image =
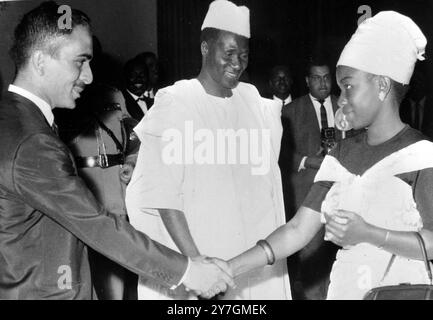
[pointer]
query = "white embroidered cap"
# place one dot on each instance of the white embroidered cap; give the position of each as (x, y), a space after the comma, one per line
(387, 44)
(225, 15)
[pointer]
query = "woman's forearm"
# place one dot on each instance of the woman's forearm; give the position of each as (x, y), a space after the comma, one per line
(284, 241)
(401, 243)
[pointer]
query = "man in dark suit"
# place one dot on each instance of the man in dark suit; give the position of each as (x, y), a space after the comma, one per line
(48, 217)
(302, 152)
(136, 77)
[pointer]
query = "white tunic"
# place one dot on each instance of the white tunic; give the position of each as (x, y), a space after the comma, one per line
(228, 205)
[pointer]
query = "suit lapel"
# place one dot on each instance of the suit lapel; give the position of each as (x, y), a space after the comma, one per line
(334, 101)
(35, 114)
(132, 106)
(311, 114)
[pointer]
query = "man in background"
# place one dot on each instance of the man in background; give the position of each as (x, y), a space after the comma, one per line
(280, 84)
(151, 61)
(306, 121)
(136, 78)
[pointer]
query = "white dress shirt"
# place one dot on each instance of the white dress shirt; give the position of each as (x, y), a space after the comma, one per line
(285, 101)
(328, 108)
(149, 93)
(40, 103)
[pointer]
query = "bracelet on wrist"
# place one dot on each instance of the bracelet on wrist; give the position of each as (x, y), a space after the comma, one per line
(270, 256)
(384, 241)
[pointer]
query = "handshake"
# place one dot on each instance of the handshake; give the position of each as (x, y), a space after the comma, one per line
(208, 277)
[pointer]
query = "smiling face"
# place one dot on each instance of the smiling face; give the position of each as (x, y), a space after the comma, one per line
(136, 77)
(319, 82)
(359, 96)
(67, 72)
(225, 59)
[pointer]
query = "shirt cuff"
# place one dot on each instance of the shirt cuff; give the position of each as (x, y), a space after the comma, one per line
(183, 277)
(302, 165)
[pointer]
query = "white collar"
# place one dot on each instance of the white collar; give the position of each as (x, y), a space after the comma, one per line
(149, 93)
(327, 99)
(286, 101)
(40, 103)
(132, 95)
(145, 94)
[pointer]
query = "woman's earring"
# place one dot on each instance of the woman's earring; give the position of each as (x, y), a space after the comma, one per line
(381, 96)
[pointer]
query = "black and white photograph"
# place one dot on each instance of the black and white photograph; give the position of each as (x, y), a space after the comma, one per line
(243, 151)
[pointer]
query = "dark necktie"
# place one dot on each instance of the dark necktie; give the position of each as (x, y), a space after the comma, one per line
(323, 115)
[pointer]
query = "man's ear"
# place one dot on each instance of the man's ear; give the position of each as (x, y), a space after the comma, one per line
(204, 48)
(38, 61)
(384, 84)
(307, 81)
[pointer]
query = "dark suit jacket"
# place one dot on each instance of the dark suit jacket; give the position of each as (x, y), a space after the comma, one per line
(48, 217)
(301, 137)
(133, 107)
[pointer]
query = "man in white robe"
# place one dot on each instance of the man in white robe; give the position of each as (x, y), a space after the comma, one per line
(207, 179)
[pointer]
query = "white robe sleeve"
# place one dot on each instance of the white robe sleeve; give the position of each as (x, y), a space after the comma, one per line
(158, 179)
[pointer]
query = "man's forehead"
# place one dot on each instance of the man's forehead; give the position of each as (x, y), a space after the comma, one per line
(227, 38)
(280, 73)
(79, 42)
(137, 67)
(319, 70)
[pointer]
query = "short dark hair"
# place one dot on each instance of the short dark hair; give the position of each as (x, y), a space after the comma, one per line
(98, 98)
(316, 61)
(147, 54)
(283, 68)
(38, 28)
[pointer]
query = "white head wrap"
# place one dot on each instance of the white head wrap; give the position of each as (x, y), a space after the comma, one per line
(387, 44)
(225, 15)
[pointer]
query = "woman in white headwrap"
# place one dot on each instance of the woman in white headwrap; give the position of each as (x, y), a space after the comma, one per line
(373, 190)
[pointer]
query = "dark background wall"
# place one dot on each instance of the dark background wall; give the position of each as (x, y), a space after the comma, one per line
(283, 31)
